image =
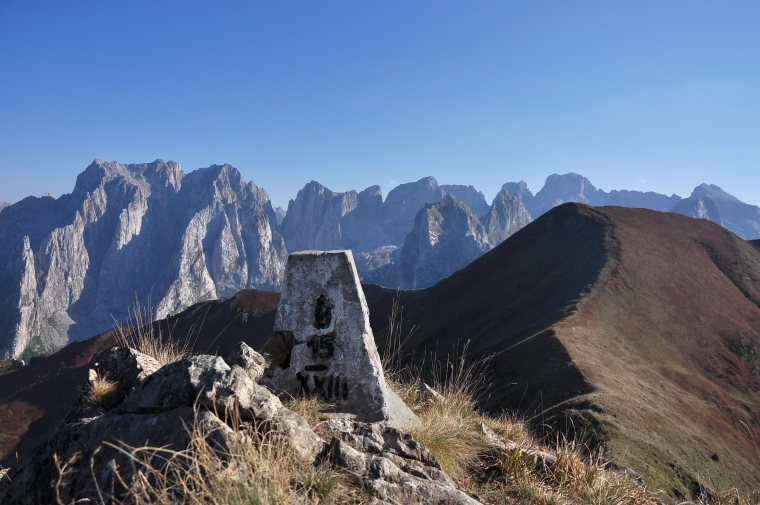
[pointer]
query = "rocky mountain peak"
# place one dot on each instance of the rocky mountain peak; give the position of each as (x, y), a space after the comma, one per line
(145, 176)
(506, 216)
(560, 189)
(372, 194)
(446, 236)
(712, 191)
(569, 183)
(519, 189)
(313, 219)
(470, 196)
(143, 232)
(402, 204)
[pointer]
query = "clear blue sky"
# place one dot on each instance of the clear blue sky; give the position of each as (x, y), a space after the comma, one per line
(659, 95)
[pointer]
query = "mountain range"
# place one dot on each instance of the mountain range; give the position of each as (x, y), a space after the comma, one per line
(151, 235)
(627, 329)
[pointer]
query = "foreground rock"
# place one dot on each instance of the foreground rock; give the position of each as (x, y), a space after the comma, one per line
(89, 457)
(323, 323)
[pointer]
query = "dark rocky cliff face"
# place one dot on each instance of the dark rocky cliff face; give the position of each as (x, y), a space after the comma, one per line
(145, 232)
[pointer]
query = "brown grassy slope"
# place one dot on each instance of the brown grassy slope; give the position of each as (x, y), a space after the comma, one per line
(672, 344)
(35, 398)
(507, 303)
(641, 326)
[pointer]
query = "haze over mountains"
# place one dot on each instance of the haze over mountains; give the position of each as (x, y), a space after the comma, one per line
(152, 234)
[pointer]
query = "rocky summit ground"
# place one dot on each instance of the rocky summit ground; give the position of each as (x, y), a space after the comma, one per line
(633, 330)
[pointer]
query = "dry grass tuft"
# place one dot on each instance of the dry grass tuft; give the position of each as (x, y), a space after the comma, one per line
(449, 428)
(730, 497)
(310, 408)
(261, 470)
(142, 335)
(102, 392)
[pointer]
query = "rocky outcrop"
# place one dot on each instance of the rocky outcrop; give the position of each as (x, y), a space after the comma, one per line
(404, 202)
(92, 457)
(708, 201)
(145, 232)
(321, 219)
(313, 220)
(469, 196)
(506, 215)
(391, 464)
(446, 237)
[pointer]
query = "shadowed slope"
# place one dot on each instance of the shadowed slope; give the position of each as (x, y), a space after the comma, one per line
(640, 328)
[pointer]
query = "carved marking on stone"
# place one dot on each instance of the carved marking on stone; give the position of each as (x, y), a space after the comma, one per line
(333, 353)
(322, 346)
(322, 312)
(330, 387)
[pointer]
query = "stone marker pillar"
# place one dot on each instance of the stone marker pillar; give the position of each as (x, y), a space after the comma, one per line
(324, 317)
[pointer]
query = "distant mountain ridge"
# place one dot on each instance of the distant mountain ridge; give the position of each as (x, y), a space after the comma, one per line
(146, 232)
(708, 201)
(151, 233)
(572, 187)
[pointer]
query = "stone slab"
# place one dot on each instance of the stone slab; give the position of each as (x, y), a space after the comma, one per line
(323, 316)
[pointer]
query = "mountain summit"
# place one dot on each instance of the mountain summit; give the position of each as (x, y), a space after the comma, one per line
(145, 233)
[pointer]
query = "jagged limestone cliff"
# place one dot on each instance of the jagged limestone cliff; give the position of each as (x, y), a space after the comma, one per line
(143, 232)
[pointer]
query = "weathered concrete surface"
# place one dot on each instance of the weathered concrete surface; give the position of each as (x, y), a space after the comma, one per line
(324, 320)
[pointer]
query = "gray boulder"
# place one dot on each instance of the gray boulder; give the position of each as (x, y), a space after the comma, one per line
(249, 360)
(391, 464)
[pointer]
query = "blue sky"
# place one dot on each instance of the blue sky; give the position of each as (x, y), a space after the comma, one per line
(659, 95)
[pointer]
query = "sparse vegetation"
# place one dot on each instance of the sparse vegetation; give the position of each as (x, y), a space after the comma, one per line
(102, 392)
(309, 407)
(451, 430)
(142, 335)
(260, 470)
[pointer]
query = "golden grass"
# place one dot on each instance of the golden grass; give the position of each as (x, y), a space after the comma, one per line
(730, 497)
(142, 335)
(102, 392)
(450, 429)
(310, 408)
(260, 470)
